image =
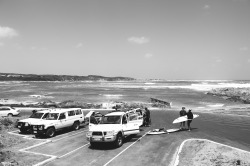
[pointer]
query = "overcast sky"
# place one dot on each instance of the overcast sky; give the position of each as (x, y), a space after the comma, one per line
(154, 39)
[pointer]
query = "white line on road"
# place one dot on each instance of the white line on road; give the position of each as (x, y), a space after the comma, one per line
(125, 149)
(72, 151)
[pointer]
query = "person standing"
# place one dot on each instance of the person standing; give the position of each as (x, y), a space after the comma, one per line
(148, 119)
(190, 118)
(182, 113)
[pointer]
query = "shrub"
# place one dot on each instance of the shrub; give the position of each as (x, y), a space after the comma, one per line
(6, 121)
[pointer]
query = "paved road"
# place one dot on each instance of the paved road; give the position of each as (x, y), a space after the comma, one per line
(71, 148)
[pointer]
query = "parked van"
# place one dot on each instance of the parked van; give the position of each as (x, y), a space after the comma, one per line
(59, 119)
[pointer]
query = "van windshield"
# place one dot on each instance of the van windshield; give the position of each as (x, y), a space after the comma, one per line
(110, 120)
(37, 115)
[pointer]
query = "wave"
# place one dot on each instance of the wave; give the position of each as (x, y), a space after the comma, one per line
(40, 96)
(112, 95)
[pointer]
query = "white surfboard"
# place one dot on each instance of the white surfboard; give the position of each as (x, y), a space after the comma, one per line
(172, 130)
(184, 118)
(161, 131)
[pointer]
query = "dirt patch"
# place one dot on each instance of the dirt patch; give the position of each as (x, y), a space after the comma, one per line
(201, 152)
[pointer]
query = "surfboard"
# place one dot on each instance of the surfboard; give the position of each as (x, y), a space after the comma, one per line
(161, 131)
(172, 130)
(184, 118)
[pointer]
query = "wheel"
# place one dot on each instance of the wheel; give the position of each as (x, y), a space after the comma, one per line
(23, 131)
(10, 115)
(76, 125)
(119, 140)
(50, 132)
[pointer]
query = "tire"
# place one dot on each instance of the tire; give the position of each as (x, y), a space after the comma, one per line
(76, 126)
(119, 140)
(23, 131)
(51, 132)
(10, 115)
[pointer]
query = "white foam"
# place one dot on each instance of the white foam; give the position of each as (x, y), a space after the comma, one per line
(216, 105)
(40, 96)
(116, 96)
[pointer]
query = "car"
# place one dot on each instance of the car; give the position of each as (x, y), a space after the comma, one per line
(9, 111)
(24, 124)
(113, 127)
(58, 119)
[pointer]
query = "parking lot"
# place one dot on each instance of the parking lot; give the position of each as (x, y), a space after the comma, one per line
(72, 148)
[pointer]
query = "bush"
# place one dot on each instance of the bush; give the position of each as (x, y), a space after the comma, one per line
(6, 121)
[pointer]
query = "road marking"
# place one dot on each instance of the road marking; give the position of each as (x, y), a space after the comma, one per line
(72, 151)
(69, 136)
(125, 149)
(193, 139)
(52, 157)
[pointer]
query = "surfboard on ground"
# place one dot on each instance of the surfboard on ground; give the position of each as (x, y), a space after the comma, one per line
(161, 131)
(184, 118)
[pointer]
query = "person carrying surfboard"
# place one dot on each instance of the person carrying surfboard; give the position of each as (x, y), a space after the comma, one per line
(190, 117)
(182, 113)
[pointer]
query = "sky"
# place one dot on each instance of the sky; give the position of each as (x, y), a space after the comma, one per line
(143, 39)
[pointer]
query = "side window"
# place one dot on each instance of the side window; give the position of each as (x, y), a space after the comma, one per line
(62, 116)
(78, 112)
(71, 113)
(4, 109)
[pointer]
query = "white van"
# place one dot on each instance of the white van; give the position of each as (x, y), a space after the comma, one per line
(59, 119)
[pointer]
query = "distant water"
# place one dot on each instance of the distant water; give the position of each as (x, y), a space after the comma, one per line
(181, 93)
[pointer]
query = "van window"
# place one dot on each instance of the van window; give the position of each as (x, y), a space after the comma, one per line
(71, 113)
(78, 112)
(62, 116)
(4, 109)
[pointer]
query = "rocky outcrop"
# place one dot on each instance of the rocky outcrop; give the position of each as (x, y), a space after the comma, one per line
(233, 94)
(34, 77)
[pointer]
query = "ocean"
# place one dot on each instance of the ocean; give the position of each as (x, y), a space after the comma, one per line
(188, 93)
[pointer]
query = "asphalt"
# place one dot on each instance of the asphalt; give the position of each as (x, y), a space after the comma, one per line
(72, 148)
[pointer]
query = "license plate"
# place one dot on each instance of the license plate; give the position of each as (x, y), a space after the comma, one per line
(97, 139)
(35, 131)
(19, 127)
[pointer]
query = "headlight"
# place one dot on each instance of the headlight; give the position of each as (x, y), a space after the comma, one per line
(26, 124)
(40, 127)
(110, 133)
(89, 134)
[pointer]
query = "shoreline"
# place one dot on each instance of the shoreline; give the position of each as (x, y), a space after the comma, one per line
(237, 109)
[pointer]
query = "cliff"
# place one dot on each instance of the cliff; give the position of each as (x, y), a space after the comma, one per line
(34, 77)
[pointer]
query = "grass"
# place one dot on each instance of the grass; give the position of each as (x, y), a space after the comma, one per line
(11, 144)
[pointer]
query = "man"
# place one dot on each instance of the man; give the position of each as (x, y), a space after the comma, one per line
(182, 113)
(148, 119)
(190, 118)
(92, 119)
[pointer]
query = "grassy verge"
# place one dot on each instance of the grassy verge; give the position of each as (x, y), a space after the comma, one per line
(199, 152)
(11, 144)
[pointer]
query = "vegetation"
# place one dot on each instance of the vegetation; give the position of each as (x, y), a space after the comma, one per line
(34, 77)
